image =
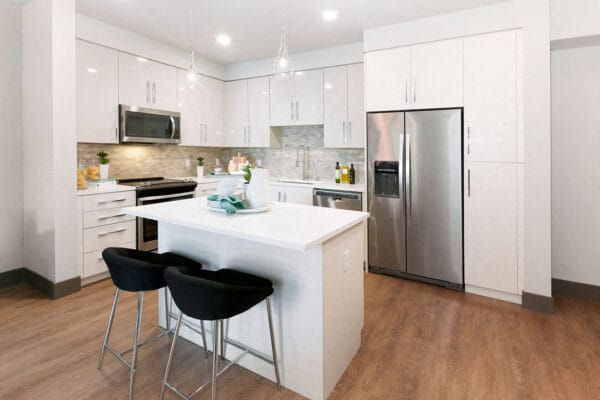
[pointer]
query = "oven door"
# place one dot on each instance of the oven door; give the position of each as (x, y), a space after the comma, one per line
(145, 125)
(147, 229)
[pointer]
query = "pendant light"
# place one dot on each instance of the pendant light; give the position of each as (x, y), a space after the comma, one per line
(191, 75)
(283, 63)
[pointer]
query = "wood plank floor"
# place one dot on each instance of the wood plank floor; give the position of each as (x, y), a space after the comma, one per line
(419, 342)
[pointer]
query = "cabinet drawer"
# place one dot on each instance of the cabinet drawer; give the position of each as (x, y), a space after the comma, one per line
(108, 235)
(108, 200)
(105, 217)
(93, 263)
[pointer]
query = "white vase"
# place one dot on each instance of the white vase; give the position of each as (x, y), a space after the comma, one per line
(258, 192)
(103, 171)
(200, 171)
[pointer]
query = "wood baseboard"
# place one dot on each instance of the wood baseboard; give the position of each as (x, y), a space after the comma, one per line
(12, 277)
(53, 290)
(575, 289)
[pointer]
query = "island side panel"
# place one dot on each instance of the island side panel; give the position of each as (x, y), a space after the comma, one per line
(343, 302)
(297, 303)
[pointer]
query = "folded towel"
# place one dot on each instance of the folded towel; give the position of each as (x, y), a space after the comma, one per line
(230, 204)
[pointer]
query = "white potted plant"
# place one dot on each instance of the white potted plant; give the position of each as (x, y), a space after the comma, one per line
(104, 164)
(200, 167)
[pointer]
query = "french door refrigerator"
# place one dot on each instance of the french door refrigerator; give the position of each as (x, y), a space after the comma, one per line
(415, 200)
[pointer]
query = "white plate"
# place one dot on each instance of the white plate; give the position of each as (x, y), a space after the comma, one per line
(246, 211)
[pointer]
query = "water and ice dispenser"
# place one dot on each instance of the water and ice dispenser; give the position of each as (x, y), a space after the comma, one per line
(387, 179)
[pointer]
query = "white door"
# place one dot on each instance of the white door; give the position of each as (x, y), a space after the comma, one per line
(97, 93)
(491, 97)
(309, 97)
(437, 74)
(298, 195)
(356, 106)
(491, 234)
(236, 112)
(282, 100)
(134, 81)
(335, 99)
(259, 127)
(212, 111)
(388, 79)
(190, 104)
(164, 86)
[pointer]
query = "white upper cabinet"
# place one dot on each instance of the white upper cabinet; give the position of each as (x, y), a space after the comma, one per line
(146, 83)
(213, 93)
(97, 93)
(236, 111)
(344, 106)
(491, 97)
(437, 74)
(259, 127)
(388, 79)
(491, 226)
(190, 106)
(297, 99)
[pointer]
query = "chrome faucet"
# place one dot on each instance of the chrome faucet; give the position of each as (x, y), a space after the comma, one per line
(301, 161)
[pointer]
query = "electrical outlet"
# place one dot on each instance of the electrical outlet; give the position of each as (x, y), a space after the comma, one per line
(187, 163)
(346, 261)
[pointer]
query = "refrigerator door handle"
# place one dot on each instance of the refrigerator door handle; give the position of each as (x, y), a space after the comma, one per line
(408, 181)
(469, 182)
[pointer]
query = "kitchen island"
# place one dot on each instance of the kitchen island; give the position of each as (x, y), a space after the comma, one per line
(314, 257)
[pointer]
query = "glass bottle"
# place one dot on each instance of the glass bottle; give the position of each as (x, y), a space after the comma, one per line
(352, 175)
(345, 173)
(337, 172)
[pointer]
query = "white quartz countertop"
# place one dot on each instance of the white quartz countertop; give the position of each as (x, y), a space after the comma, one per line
(329, 185)
(292, 226)
(105, 189)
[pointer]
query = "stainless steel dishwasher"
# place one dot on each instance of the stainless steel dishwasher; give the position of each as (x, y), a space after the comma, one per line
(344, 200)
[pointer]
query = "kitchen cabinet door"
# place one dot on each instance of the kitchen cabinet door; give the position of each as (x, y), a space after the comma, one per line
(491, 97)
(259, 127)
(164, 86)
(134, 81)
(356, 106)
(97, 93)
(388, 79)
(190, 104)
(491, 226)
(309, 97)
(335, 99)
(282, 100)
(298, 195)
(277, 193)
(213, 92)
(236, 112)
(437, 74)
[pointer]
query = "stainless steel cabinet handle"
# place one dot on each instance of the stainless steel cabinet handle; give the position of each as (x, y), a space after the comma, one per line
(469, 182)
(408, 179)
(111, 201)
(279, 196)
(468, 140)
(111, 232)
(292, 110)
(415, 89)
(153, 92)
(148, 92)
(111, 216)
(297, 112)
(117, 125)
(344, 132)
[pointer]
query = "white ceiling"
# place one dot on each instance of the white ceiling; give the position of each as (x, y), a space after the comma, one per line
(255, 25)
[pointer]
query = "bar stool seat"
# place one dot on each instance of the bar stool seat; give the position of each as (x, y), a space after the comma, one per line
(217, 296)
(139, 271)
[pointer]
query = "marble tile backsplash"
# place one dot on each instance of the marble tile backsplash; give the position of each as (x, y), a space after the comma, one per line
(130, 160)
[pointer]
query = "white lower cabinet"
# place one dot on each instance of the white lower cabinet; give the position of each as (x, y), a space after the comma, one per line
(292, 194)
(103, 224)
(491, 227)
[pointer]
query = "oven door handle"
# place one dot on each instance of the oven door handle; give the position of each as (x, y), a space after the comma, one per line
(142, 200)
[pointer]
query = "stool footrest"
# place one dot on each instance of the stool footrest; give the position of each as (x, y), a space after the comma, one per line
(255, 353)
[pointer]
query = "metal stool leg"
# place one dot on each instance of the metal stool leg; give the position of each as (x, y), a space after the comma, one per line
(108, 328)
(167, 310)
(222, 349)
(164, 382)
(204, 339)
(275, 365)
(215, 366)
(136, 339)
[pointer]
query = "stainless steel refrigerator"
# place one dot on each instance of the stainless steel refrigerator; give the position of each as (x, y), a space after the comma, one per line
(415, 190)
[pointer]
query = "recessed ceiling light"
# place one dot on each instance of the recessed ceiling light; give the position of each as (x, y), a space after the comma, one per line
(223, 40)
(330, 15)
(92, 70)
(141, 59)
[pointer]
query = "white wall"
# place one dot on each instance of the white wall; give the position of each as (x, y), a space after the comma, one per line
(533, 16)
(574, 18)
(11, 171)
(576, 165)
(49, 144)
(99, 32)
(327, 57)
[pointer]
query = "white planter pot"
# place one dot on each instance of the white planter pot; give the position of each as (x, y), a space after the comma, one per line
(104, 171)
(200, 171)
(258, 192)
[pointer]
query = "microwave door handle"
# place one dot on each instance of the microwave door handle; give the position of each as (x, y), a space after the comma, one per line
(172, 124)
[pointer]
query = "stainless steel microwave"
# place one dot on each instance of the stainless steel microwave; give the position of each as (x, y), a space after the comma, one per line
(146, 125)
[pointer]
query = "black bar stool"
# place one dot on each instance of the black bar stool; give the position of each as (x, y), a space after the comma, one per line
(216, 296)
(139, 271)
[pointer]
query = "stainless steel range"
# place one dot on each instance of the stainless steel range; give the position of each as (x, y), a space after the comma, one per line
(156, 190)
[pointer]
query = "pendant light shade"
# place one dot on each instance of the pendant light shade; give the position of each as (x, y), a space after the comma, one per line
(283, 63)
(191, 72)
